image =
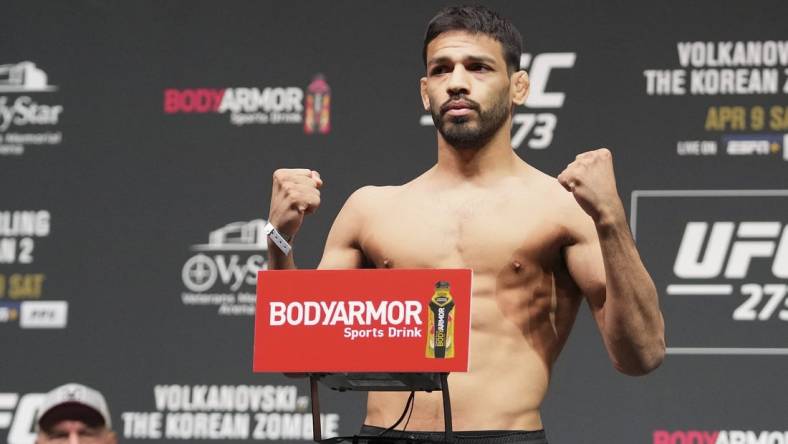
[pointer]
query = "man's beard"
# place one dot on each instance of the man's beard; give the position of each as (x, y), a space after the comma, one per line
(461, 133)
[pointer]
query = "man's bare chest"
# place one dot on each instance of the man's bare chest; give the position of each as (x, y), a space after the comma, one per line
(486, 232)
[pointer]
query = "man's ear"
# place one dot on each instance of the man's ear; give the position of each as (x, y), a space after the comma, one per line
(425, 99)
(521, 85)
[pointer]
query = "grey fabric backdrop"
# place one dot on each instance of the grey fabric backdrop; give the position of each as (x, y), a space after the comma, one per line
(127, 194)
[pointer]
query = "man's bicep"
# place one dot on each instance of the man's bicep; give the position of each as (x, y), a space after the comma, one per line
(342, 248)
(340, 257)
(586, 266)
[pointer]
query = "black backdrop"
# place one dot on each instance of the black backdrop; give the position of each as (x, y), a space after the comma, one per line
(124, 192)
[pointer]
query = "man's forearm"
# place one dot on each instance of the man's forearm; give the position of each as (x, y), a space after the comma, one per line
(634, 330)
(277, 260)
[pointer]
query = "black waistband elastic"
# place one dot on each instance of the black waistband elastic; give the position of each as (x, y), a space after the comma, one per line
(466, 437)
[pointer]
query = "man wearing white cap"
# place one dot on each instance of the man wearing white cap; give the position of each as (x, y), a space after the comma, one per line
(74, 413)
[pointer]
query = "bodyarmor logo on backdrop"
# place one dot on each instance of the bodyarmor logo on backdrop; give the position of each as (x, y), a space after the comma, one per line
(24, 120)
(536, 129)
(720, 257)
(223, 272)
(281, 105)
(317, 117)
(21, 284)
(725, 71)
(719, 437)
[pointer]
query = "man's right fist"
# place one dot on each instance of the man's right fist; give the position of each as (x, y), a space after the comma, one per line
(295, 192)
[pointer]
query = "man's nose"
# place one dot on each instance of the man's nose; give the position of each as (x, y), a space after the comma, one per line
(73, 438)
(458, 81)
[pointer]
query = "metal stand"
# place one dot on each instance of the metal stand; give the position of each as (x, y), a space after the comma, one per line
(317, 434)
(448, 433)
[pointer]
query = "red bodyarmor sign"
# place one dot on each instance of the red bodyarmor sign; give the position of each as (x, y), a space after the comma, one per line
(311, 321)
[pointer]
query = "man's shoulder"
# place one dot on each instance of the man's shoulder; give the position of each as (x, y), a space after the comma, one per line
(371, 195)
(548, 187)
(559, 201)
(371, 192)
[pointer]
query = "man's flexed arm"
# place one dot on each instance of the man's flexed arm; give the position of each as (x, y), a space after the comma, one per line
(296, 193)
(343, 245)
(607, 267)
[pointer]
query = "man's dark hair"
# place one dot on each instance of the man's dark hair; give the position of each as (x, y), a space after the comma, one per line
(477, 20)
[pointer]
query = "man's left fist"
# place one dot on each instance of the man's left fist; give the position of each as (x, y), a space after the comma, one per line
(591, 180)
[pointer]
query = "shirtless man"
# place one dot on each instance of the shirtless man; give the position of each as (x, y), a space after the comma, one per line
(537, 245)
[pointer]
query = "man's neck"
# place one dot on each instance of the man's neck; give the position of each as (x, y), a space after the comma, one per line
(493, 160)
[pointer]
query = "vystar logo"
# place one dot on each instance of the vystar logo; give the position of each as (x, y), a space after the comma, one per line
(223, 272)
(20, 109)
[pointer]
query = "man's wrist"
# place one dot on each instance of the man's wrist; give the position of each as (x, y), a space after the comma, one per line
(611, 218)
(279, 240)
(287, 237)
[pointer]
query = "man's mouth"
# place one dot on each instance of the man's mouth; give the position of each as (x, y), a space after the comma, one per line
(458, 107)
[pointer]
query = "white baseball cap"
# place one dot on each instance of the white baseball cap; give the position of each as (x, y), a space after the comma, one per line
(74, 401)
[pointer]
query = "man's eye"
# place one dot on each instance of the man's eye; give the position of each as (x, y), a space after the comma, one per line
(438, 70)
(479, 67)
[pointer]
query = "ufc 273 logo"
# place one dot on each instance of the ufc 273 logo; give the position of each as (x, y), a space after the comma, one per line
(730, 250)
(536, 129)
(721, 258)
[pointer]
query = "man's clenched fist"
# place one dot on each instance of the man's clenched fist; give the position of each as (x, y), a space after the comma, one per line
(591, 180)
(295, 192)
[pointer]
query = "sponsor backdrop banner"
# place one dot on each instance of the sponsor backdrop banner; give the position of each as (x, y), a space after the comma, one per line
(138, 139)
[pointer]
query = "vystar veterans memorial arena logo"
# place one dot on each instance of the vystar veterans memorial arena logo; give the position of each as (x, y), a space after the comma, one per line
(268, 105)
(223, 272)
(26, 117)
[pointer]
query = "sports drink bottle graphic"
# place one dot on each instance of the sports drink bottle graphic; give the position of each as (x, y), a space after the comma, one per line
(440, 327)
(317, 115)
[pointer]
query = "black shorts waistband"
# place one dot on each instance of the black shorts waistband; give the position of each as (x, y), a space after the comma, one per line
(465, 437)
